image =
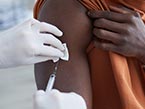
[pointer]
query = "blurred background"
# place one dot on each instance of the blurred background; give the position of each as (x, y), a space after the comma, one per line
(17, 85)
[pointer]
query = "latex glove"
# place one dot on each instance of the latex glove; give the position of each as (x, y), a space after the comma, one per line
(24, 44)
(55, 99)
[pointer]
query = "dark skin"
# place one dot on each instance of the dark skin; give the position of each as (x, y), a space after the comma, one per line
(122, 30)
(74, 75)
(71, 18)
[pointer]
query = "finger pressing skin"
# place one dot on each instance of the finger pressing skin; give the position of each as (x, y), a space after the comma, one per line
(109, 25)
(45, 27)
(107, 35)
(51, 40)
(49, 51)
(118, 17)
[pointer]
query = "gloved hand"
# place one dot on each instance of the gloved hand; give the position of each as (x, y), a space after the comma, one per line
(55, 99)
(24, 44)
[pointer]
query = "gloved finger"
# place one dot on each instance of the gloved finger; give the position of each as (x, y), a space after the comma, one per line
(49, 51)
(51, 40)
(31, 22)
(35, 26)
(53, 91)
(55, 94)
(39, 98)
(39, 59)
(40, 93)
(45, 27)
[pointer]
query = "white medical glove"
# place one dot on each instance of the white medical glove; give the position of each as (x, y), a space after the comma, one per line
(55, 99)
(24, 44)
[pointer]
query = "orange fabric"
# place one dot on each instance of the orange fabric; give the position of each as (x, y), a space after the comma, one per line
(118, 82)
(37, 7)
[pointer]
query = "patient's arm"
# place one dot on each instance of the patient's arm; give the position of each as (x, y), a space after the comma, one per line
(70, 17)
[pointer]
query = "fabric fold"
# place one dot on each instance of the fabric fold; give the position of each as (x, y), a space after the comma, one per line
(125, 70)
(117, 81)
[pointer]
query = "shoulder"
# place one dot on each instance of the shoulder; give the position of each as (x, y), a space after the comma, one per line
(70, 16)
(73, 5)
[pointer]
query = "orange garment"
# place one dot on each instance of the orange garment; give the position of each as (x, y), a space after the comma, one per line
(118, 81)
(37, 7)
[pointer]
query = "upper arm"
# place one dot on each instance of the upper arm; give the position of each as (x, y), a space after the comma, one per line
(73, 75)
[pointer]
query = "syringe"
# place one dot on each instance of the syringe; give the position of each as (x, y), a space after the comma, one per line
(51, 80)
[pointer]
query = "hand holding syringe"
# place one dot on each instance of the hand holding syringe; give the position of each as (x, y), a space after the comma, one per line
(54, 99)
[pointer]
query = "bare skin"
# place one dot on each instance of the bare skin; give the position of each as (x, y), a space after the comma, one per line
(74, 75)
(122, 30)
